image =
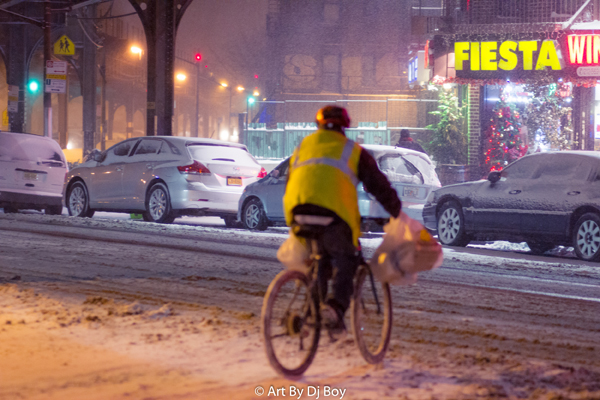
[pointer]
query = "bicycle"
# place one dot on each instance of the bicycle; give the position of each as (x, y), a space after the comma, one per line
(291, 319)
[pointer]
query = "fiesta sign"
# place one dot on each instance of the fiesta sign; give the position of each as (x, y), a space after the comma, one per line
(527, 55)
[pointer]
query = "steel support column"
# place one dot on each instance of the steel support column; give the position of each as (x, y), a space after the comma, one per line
(160, 19)
(165, 65)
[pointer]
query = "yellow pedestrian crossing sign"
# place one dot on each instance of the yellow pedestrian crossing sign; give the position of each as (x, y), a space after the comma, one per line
(64, 46)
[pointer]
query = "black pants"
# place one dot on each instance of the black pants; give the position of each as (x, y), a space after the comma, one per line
(339, 262)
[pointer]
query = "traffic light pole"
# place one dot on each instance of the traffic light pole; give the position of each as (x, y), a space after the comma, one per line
(47, 57)
(195, 124)
(197, 65)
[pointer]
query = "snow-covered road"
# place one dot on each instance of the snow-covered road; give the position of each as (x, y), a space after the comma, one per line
(113, 308)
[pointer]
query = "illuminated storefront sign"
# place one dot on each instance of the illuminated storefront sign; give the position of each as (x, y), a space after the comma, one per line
(413, 66)
(508, 55)
(572, 56)
(417, 72)
(583, 49)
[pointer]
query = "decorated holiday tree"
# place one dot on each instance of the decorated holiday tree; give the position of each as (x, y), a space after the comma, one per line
(448, 144)
(503, 143)
(549, 115)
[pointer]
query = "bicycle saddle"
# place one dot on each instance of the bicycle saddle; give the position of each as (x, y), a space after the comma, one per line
(310, 226)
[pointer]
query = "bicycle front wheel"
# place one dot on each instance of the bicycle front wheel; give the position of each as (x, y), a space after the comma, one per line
(290, 325)
(371, 316)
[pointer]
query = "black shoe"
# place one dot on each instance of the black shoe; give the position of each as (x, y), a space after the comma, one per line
(333, 321)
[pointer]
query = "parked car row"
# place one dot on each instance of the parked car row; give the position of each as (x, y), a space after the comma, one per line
(544, 199)
(163, 177)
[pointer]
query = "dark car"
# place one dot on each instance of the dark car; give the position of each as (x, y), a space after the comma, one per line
(544, 199)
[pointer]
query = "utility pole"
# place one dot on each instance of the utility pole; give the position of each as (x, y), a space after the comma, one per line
(103, 106)
(47, 57)
(196, 63)
(195, 124)
(229, 115)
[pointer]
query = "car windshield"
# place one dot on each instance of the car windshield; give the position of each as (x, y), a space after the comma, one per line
(398, 169)
(232, 154)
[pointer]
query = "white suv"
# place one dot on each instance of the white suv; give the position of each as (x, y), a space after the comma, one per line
(32, 173)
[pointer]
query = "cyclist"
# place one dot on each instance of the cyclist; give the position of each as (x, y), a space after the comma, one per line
(323, 173)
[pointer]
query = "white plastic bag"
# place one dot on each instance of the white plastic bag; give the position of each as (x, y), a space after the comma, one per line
(407, 248)
(294, 254)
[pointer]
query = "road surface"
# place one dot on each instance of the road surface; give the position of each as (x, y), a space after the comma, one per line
(117, 309)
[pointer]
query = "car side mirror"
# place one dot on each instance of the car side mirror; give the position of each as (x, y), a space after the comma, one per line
(494, 176)
(96, 155)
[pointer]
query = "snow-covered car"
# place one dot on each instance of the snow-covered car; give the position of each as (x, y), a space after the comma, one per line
(32, 173)
(410, 172)
(163, 177)
(544, 199)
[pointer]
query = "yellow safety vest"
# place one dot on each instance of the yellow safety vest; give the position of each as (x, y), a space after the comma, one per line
(324, 171)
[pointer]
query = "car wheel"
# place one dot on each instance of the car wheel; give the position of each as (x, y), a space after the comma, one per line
(231, 222)
(158, 205)
(10, 210)
(586, 237)
(539, 247)
(451, 225)
(53, 210)
(253, 216)
(78, 201)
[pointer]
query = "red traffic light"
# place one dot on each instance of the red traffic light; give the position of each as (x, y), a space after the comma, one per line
(198, 57)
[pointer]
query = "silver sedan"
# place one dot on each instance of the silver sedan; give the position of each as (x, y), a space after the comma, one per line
(163, 177)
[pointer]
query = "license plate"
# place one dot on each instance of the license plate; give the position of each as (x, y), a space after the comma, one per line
(410, 191)
(30, 176)
(234, 181)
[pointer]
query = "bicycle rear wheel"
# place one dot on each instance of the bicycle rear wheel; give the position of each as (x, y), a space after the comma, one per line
(371, 316)
(289, 323)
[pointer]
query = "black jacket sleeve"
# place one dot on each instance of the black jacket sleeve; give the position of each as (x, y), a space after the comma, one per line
(376, 183)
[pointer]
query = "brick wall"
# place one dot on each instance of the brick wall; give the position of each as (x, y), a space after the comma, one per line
(474, 132)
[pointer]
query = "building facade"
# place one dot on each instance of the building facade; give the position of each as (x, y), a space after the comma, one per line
(488, 44)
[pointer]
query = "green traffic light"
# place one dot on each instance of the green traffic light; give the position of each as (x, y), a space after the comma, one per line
(33, 86)
(251, 100)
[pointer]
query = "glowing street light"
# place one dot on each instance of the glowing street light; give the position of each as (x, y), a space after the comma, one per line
(181, 77)
(137, 50)
(240, 88)
(255, 93)
(224, 84)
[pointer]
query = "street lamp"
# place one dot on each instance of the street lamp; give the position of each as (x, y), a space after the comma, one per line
(249, 102)
(137, 50)
(239, 89)
(181, 77)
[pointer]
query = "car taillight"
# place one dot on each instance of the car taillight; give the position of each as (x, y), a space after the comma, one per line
(196, 168)
(262, 173)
